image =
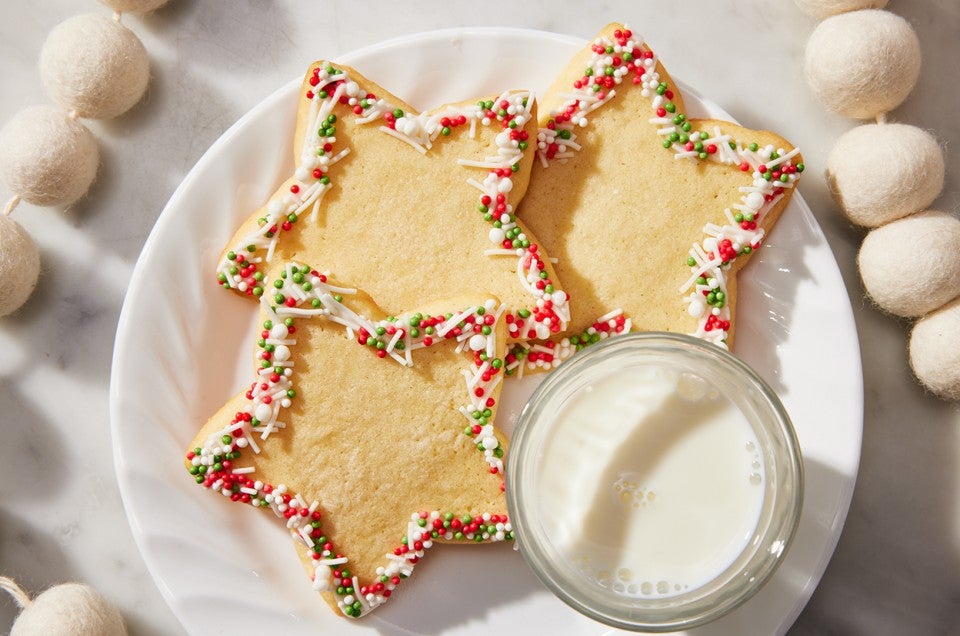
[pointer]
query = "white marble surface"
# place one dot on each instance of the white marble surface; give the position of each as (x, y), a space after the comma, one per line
(897, 566)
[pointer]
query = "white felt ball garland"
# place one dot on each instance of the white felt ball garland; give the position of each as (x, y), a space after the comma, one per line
(882, 172)
(94, 66)
(821, 9)
(91, 66)
(46, 157)
(134, 6)
(862, 62)
(912, 266)
(70, 609)
(935, 350)
(19, 265)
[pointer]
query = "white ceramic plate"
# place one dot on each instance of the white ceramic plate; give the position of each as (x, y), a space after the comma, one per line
(183, 349)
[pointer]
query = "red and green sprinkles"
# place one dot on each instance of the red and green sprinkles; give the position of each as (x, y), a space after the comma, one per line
(331, 89)
(304, 523)
(772, 170)
(547, 354)
(302, 292)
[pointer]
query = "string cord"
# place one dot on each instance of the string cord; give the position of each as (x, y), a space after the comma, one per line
(21, 598)
(11, 204)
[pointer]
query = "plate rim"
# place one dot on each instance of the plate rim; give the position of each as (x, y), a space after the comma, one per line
(152, 244)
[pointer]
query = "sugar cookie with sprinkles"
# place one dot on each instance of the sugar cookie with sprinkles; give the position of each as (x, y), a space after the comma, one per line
(401, 202)
(649, 213)
(369, 436)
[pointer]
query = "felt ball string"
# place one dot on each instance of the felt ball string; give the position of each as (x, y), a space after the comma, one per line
(862, 62)
(70, 609)
(91, 66)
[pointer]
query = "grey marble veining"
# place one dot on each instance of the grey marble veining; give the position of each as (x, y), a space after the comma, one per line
(896, 569)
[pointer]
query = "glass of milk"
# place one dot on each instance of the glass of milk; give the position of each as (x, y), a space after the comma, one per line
(654, 482)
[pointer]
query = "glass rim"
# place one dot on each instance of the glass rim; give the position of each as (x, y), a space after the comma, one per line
(688, 609)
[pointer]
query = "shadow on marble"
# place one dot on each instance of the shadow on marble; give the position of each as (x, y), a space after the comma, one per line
(897, 567)
(32, 457)
(113, 211)
(32, 558)
(67, 327)
(37, 561)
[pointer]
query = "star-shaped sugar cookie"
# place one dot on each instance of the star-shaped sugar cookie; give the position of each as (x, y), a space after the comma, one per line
(648, 213)
(367, 460)
(406, 205)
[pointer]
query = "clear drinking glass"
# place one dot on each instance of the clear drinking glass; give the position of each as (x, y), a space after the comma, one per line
(782, 482)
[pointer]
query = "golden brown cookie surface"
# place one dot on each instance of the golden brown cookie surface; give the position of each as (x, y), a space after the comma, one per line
(405, 205)
(369, 461)
(648, 213)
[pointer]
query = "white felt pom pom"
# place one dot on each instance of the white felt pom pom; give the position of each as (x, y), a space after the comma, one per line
(94, 65)
(935, 350)
(19, 265)
(912, 266)
(47, 158)
(821, 9)
(862, 63)
(882, 172)
(70, 609)
(134, 6)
